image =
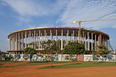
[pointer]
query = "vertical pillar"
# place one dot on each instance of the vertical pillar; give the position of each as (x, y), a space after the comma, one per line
(16, 42)
(85, 42)
(50, 35)
(34, 39)
(62, 40)
(56, 35)
(13, 42)
(92, 41)
(95, 43)
(39, 39)
(67, 36)
(25, 39)
(88, 42)
(22, 42)
(19, 44)
(45, 35)
(28, 39)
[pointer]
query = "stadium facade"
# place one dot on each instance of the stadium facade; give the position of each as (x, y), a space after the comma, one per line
(21, 39)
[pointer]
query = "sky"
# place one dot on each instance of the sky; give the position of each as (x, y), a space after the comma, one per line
(21, 14)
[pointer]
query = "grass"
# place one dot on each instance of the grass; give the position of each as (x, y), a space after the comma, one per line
(84, 64)
(30, 63)
(78, 65)
(4, 62)
(48, 62)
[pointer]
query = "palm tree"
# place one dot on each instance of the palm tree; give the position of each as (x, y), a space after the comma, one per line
(103, 50)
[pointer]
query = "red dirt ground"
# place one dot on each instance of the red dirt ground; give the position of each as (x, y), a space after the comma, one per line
(32, 71)
(17, 63)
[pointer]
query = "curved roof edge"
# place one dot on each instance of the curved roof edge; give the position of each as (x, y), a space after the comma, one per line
(95, 31)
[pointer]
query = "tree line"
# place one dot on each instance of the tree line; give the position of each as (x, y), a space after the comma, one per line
(53, 47)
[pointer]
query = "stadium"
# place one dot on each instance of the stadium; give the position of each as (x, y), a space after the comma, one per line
(21, 39)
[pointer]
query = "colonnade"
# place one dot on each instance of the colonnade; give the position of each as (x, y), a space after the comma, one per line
(22, 39)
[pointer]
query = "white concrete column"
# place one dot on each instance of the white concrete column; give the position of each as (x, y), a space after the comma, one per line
(16, 42)
(13, 43)
(85, 42)
(56, 35)
(88, 41)
(39, 38)
(92, 41)
(34, 39)
(51, 35)
(61, 39)
(25, 39)
(19, 42)
(67, 37)
(45, 35)
(95, 43)
(22, 41)
(28, 39)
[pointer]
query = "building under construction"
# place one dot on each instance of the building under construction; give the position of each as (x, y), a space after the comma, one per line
(21, 39)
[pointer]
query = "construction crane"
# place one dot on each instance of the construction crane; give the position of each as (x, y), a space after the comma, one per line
(88, 21)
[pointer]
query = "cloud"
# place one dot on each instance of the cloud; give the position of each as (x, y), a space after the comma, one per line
(35, 8)
(89, 10)
(28, 9)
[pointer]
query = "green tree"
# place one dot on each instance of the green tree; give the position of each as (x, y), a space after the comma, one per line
(29, 51)
(51, 46)
(74, 48)
(55, 47)
(103, 50)
(1, 52)
(33, 44)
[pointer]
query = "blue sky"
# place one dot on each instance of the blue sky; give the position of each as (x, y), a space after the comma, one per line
(21, 14)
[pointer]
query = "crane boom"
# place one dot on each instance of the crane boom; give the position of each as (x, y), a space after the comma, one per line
(87, 21)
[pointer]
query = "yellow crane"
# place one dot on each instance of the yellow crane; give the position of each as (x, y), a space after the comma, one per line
(87, 21)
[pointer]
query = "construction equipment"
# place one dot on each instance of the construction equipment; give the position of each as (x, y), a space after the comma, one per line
(88, 21)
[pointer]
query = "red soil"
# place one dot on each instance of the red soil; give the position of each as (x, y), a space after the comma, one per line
(32, 71)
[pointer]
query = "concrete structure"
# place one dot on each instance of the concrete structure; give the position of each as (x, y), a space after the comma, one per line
(19, 40)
